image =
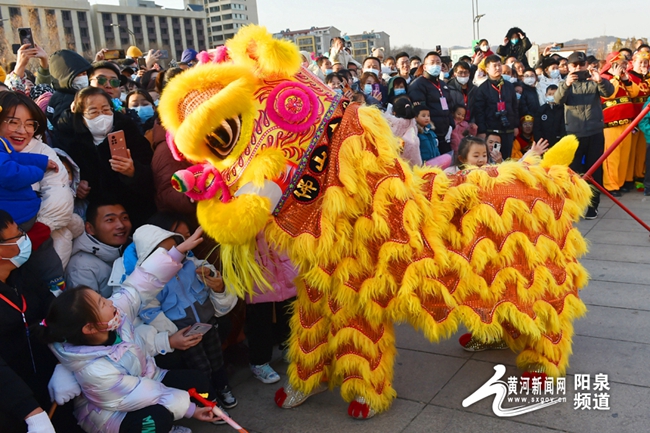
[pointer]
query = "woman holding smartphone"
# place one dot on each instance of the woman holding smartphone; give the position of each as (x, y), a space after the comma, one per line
(123, 177)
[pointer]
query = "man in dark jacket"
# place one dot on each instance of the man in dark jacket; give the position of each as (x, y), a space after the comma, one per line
(497, 108)
(549, 122)
(529, 102)
(430, 91)
(583, 115)
(515, 44)
(461, 90)
(70, 71)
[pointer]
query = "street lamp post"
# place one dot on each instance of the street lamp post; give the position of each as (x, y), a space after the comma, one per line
(127, 29)
(477, 18)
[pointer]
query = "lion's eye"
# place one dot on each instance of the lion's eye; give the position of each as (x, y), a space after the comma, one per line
(222, 140)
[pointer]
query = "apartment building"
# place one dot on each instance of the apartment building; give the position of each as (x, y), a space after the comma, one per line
(225, 17)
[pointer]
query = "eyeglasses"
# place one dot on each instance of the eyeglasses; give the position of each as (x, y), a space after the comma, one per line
(14, 238)
(101, 80)
(14, 124)
(92, 113)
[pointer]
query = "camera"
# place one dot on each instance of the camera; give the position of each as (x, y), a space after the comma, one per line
(502, 115)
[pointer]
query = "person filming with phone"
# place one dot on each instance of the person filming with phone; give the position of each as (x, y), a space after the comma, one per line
(112, 155)
(581, 94)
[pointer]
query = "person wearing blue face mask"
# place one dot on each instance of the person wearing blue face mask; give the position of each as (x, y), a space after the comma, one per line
(324, 67)
(429, 90)
(26, 365)
(397, 86)
(515, 44)
(142, 103)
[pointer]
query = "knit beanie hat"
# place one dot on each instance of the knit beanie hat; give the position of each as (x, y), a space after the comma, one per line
(134, 52)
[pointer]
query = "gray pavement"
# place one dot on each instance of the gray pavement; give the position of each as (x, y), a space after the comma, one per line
(433, 379)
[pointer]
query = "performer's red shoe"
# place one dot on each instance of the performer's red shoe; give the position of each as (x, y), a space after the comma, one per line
(359, 409)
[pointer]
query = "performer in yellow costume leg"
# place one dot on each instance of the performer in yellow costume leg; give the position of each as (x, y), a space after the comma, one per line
(639, 75)
(618, 111)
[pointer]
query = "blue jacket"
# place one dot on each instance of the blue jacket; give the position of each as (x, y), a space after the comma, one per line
(184, 299)
(18, 171)
(428, 144)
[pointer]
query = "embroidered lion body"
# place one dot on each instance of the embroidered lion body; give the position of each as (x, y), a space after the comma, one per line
(376, 242)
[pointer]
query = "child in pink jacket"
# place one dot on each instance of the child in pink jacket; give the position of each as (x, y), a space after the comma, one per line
(463, 127)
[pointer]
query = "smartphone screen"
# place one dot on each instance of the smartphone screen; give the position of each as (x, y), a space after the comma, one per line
(112, 54)
(117, 144)
(142, 63)
(25, 35)
(376, 88)
(164, 54)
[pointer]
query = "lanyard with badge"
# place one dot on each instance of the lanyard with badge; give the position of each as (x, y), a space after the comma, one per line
(501, 106)
(22, 313)
(443, 100)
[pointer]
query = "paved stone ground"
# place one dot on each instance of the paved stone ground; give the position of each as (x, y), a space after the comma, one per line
(433, 379)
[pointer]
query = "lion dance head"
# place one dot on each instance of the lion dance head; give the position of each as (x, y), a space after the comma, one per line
(246, 116)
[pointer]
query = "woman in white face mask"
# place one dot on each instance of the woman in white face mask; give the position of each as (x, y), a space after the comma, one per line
(551, 76)
(119, 179)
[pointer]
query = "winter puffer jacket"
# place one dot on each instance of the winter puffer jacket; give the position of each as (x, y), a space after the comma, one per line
(65, 65)
(57, 201)
(279, 272)
(517, 50)
(18, 171)
(583, 113)
(124, 377)
(529, 103)
(91, 264)
(485, 109)
(184, 299)
(424, 91)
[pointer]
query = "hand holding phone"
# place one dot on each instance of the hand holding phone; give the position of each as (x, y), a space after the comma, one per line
(198, 329)
(25, 36)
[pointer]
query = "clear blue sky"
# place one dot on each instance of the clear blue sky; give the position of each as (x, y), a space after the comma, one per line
(426, 23)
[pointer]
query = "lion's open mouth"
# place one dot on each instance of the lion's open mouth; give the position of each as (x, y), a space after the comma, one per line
(223, 139)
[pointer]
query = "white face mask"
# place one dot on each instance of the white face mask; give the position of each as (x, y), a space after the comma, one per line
(529, 81)
(100, 126)
(80, 82)
(123, 97)
(462, 80)
(484, 48)
(374, 71)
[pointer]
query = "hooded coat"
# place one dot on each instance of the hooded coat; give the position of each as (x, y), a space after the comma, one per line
(185, 300)
(57, 201)
(91, 264)
(65, 65)
(124, 377)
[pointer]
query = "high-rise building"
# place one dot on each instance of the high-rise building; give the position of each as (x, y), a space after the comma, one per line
(55, 24)
(148, 26)
(363, 44)
(86, 28)
(225, 17)
(314, 40)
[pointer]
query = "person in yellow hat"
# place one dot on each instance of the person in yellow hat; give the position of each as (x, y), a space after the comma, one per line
(524, 140)
(133, 52)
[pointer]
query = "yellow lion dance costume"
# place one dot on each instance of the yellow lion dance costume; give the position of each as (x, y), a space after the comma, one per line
(376, 242)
